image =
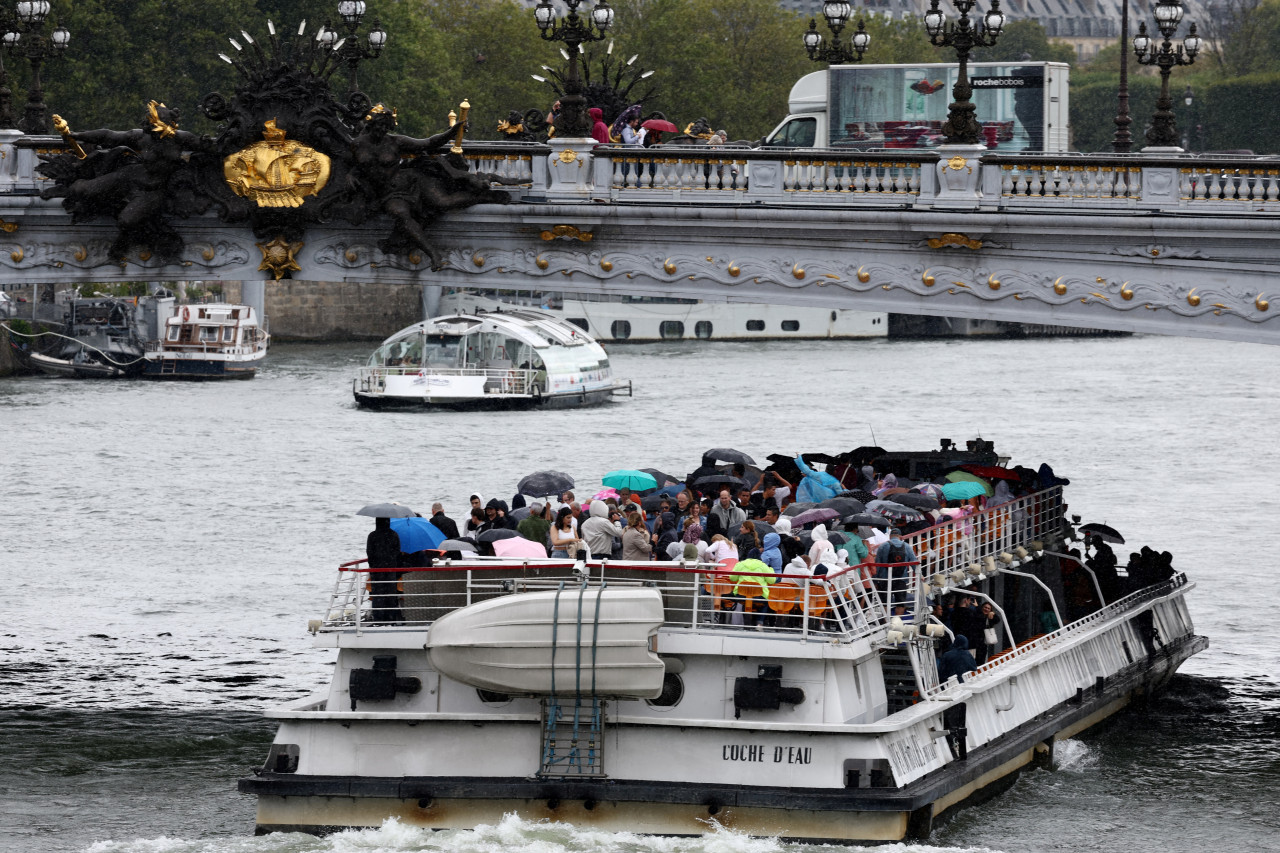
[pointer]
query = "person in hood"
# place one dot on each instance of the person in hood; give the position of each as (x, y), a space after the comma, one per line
(771, 556)
(821, 552)
(599, 130)
(667, 532)
(382, 549)
(598, 531)
(958, 662)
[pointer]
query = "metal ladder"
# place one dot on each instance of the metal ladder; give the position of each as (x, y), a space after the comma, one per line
(573, 736)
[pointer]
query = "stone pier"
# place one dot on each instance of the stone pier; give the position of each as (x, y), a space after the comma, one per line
(330, 311)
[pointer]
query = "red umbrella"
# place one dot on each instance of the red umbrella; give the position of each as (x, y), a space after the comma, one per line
(660, 124)
(991, 472)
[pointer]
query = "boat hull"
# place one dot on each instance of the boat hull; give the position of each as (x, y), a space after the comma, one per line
(200, 369)
(320, 804)
(572, 400)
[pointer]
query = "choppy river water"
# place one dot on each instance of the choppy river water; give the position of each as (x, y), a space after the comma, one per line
(164, 544)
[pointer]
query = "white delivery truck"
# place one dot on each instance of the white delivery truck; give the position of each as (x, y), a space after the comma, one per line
(1022, 106)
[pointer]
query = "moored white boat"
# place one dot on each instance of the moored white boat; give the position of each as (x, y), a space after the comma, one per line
(642, 319)
(828, 723)
(208, 341)
(501, 359)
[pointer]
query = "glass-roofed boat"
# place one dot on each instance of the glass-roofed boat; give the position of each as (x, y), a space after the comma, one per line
(500, 359)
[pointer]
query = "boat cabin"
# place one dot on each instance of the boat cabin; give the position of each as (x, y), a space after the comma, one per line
(214, 326)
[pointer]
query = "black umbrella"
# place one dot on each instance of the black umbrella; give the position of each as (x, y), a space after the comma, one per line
(1108, 534)
(868, 519)
(662, 478)
(797, 508)
(542, 483)
(520, 513)
(728, 454)
(718, 481)
(859, 495)
(763, 527)
(916, 501)
(389, 510)
(836, 539)
(495, 534)
(457, 545)
(844, 506)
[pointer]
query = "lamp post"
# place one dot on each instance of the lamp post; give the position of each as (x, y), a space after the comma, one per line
(1123, 140)
(962, 127)
(1187, 98)
(350, 49)
(573, 30)
(29, 40)
(1164, 128)
(837, 13)
(6, 94)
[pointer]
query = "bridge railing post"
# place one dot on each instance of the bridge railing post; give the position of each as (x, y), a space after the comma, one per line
(1160, 185)
(26, 151)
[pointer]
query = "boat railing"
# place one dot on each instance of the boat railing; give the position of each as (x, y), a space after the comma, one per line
(961, 551)
(504, 380)
(1020, 651)
(849, 602)
(702, 597)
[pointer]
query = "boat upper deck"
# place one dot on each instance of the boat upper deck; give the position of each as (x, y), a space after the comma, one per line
(873, 602)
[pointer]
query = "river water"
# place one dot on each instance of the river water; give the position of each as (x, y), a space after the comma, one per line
(165, 544)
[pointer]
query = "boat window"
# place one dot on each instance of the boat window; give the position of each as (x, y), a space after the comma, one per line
(790, 325)
(580, 322)
(208, 334)
(173, 332)
(620, 330)
(186, 334)
(671, 330)
(702, 329)
(228, 334)
(442, 351)
(755, 325)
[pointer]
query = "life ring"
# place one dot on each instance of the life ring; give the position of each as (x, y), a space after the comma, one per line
(186, 314)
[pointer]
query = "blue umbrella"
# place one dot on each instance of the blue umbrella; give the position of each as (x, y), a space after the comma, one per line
(417, 534)
(629, 479)
(962, 490)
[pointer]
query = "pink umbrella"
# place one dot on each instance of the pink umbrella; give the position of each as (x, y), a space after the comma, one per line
(518, 546)
(605, 494)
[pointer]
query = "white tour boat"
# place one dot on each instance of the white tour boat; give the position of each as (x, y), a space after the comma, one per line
(646, 319)
(208, 341)
(500, 359)
(618, 696)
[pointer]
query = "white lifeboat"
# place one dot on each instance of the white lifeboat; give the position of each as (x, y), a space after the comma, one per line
(565, 642)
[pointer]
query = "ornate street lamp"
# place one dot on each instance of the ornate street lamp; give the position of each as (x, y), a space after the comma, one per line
(1164, 128)
(28, 39)
(350, 50)
(962, 127)
(573, 30)
(837, 13)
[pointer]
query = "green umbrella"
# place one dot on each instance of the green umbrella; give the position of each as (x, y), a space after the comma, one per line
(966, 477)
(630, 480)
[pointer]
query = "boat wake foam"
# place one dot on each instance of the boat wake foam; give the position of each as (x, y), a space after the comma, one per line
(511, 833)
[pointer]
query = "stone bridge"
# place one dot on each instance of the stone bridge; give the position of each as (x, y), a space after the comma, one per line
(1159, 242)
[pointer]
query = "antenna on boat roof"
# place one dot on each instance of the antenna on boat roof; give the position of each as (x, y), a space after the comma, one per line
(874, 443)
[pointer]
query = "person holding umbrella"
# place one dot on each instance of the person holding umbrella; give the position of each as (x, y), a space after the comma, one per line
(383, 551)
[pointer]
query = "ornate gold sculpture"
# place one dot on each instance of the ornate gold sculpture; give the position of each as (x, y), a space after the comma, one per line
(157, 124)
(276, 172)
(278, 257)
(465, 106)
(953, 239)
(60, 125)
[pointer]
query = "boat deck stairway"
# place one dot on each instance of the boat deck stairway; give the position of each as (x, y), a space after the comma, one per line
(572, 736)
(899, 678)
